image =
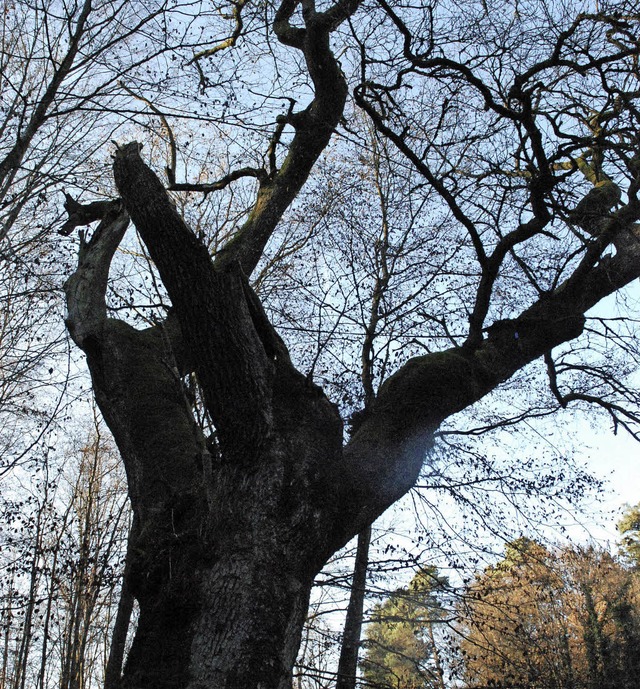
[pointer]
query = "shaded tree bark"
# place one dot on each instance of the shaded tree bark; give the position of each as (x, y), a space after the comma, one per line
(226, 553)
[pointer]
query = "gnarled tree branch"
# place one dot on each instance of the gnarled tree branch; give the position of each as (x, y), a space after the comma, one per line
(313, 126)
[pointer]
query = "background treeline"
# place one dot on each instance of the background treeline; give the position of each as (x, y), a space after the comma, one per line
(541, 618)
(63, 532)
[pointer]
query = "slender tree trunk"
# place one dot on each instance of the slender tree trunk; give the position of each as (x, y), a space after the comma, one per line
(439, 680)
(7, 620)
(348, 663)
(22, 658)
(113, 669)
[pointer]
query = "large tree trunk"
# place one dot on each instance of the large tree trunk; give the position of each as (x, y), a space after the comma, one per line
(231, 530)
(230, 533)
(226, 550)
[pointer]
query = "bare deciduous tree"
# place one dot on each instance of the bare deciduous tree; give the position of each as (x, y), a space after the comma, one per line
(526, 129)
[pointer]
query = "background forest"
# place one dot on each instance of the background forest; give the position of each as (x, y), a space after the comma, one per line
(414, 231)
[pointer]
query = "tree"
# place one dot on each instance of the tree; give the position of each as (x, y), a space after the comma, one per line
(629, 528)
(63, 540)
(541, 618)
(401, 650)
(530, 146)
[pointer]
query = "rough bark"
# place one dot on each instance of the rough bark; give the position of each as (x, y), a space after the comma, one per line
(225, 553)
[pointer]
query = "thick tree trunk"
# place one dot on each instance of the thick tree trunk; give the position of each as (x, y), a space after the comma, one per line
(225, 553)
(227, 543)
(233, 624)
(232, 530)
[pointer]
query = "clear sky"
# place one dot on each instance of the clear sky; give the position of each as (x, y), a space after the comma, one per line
(617, 459)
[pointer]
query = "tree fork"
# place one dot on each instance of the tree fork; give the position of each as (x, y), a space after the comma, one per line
(223, 560)
(228, 548)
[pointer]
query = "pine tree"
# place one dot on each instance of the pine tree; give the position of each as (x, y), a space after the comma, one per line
(401, 651)
(629, 528)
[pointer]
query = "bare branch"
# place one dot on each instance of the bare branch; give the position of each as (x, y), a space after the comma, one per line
(208, 187)
(171, 168)
(236, 15)
(86, 288)
(314, 127)
(85, 214)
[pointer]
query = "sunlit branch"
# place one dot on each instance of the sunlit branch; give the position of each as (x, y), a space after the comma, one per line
(171, 168)
(207, 187)
(236, 15)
